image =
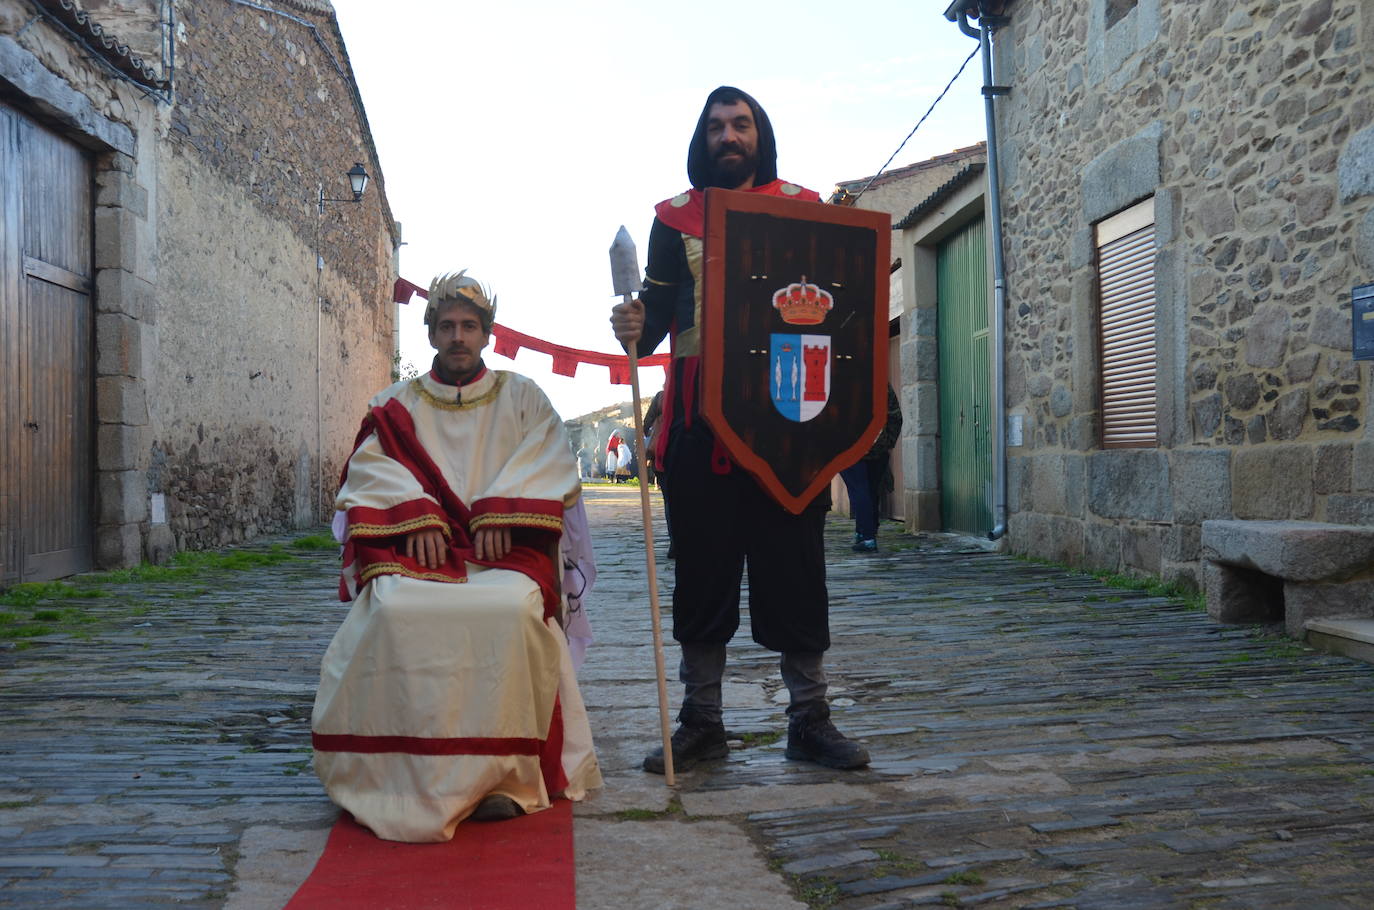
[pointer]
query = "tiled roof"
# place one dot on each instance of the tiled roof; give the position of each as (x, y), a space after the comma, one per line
(977, 150)
(940, 195)
(102, 42)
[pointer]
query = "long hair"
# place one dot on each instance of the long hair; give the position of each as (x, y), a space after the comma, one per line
(700, 167)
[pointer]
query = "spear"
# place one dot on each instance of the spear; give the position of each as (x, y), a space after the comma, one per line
(625, 279)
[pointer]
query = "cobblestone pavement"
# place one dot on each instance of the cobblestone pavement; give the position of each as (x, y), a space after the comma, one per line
(1039, 740)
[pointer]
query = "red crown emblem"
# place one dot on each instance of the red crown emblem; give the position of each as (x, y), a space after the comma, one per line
(802, 303)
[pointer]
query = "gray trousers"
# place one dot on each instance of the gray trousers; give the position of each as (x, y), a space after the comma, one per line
(703, 668)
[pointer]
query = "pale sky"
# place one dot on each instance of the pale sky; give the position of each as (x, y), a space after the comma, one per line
(515, 138)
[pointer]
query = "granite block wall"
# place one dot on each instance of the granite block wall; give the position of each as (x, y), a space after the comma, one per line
(1252, 126)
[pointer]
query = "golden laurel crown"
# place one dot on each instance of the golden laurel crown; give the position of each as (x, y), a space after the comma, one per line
(459, 286)
(802, 303)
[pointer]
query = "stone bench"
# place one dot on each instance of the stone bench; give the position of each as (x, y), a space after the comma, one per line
(1289, 571)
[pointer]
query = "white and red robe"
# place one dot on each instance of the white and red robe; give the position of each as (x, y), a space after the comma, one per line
(446, 684)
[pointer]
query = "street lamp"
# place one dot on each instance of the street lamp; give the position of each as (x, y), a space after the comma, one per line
(357, 180)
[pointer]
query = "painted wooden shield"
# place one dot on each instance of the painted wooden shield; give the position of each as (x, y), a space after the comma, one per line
(794, 337)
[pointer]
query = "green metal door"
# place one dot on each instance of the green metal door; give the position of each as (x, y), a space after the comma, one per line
(965, 422)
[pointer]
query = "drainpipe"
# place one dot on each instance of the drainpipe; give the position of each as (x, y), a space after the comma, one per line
(987, 23)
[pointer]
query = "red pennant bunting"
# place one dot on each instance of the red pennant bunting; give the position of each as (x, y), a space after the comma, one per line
(508, 343)
(564, 364)
(506, 346)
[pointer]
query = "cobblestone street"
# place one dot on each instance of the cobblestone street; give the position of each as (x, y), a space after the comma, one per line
(1039, 739)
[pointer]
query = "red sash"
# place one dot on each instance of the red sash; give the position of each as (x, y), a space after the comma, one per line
(381, 551)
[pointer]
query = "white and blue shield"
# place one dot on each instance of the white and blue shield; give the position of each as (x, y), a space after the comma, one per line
(799, 374)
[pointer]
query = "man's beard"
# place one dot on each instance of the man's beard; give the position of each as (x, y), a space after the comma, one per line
(729, 175)
(456, 376)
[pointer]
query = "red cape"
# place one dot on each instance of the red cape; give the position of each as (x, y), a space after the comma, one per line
(686, 212)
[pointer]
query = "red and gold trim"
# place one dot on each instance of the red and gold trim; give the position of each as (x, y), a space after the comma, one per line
(518, 520)
(499, 512)
(384, 555)
(402, 519)
(464, 404)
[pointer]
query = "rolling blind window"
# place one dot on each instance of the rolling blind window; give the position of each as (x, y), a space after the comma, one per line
(1126, 292)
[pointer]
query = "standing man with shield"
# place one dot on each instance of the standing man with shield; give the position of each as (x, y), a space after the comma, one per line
(721, 517)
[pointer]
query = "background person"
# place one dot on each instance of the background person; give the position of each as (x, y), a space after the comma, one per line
(870, 478)
(612, 456)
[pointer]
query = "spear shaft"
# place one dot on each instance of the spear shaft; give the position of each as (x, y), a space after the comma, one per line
(625, 275)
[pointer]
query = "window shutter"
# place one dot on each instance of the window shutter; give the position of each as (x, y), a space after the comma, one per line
(1126, 295)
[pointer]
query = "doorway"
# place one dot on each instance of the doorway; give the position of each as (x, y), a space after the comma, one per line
(965, 421)
(46, 353)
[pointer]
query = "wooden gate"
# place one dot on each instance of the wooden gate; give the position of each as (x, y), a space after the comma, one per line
(46, 354)
(965, 376)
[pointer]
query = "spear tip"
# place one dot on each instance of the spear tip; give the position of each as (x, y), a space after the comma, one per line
(625, 276)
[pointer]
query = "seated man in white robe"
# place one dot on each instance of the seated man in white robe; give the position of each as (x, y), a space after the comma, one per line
(449, 692)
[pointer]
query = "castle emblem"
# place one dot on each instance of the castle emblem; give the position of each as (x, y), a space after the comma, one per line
(799, 375)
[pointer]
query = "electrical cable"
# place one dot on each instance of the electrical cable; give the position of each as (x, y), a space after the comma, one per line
(937, 100)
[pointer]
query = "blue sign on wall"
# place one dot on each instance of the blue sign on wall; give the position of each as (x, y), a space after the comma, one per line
(1362, 321)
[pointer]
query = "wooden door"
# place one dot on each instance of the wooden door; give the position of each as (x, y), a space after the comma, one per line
(965, 380)
(46, 354)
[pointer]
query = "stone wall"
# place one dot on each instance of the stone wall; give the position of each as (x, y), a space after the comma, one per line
(1250, 124)
(264, 117)
(217, 278)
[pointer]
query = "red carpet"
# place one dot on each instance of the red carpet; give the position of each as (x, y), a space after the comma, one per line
(522, 863)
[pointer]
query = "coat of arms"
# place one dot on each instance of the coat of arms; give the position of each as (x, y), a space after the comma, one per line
(794, 337)
(801, 363)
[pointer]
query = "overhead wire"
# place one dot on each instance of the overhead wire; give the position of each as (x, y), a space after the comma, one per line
(937, 100)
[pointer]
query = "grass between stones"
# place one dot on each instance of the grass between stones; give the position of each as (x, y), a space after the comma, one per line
(35, 609)
(816, 893)
(191, 563)
(674, 808)
(964, 877)
(324, 542)
(754, 739)
(1156, 587)
(895, 863)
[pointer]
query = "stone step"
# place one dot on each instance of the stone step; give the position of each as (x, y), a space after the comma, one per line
(1350, 637)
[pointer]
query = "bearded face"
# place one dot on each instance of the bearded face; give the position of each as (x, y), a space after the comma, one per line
(732, 142)
(457, 333)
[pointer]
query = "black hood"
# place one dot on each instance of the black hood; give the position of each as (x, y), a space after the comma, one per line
(699, 166)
